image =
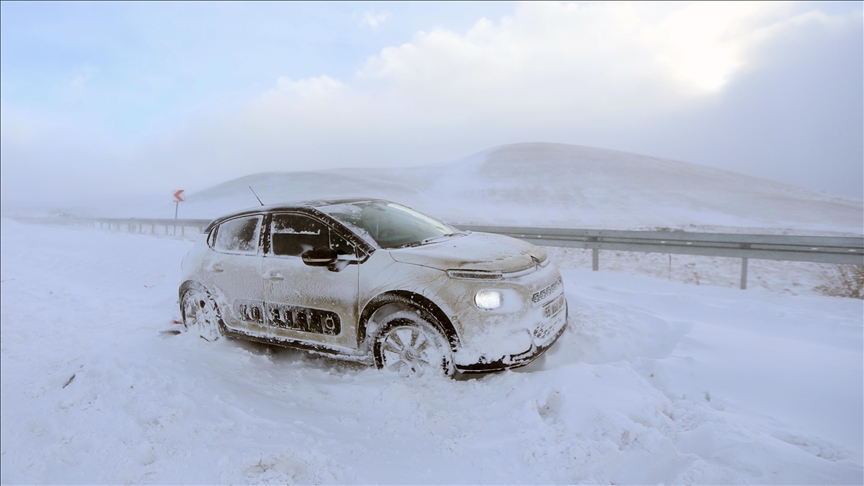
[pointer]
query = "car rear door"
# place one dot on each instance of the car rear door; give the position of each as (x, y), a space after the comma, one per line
(233, 271)
(316, 305)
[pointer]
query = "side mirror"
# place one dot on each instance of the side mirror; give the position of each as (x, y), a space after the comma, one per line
(319, 257)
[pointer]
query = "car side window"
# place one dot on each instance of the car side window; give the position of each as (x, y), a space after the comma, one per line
(341, 245)
(294, 234)
(238, 235)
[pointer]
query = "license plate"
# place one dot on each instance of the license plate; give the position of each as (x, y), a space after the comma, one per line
(553, 307)
(550, 290)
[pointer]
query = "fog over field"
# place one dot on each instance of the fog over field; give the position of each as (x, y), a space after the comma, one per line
(542, 184)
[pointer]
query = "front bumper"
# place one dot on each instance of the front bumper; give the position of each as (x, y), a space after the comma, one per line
(515, 360)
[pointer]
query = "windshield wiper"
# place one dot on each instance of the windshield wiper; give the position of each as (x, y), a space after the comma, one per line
(406, 245)
(431, 239)
(439, 238)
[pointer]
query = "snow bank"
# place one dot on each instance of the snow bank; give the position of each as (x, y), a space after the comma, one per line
(655, 382)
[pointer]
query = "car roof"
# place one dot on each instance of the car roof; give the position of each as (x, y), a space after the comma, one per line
(312, 204)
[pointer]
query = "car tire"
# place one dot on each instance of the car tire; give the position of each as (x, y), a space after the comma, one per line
(201, 314)
(409, 345)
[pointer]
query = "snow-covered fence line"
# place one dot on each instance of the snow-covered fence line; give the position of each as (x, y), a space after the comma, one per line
(815, 249)
(169, 227)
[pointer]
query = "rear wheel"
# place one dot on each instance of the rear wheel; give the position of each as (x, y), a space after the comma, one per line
(200, 314)
(411, 346)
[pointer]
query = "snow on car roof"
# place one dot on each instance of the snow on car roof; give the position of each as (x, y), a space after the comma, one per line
(316, 203)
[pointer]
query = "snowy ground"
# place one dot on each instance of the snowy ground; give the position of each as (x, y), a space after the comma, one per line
(655, 382)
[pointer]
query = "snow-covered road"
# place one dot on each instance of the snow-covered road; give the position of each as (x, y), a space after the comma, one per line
(654, 382)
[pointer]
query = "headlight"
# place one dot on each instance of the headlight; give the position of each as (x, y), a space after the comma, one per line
(488, 299)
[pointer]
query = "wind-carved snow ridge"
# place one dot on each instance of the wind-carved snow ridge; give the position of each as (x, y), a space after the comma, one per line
(653, 382)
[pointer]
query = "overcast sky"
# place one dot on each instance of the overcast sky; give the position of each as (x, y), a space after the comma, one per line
(143, 98)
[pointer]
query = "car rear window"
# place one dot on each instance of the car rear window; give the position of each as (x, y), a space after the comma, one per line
(238, 235)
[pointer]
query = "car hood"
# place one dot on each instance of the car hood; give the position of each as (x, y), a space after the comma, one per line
(474, 251)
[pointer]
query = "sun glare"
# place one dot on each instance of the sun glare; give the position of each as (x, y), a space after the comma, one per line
(704, 67)
(702, 43)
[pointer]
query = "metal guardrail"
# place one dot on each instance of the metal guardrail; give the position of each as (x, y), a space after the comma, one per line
(816, 249)
(171, 227)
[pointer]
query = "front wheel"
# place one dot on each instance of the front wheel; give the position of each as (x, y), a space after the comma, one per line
(200, 314)
(411, 346)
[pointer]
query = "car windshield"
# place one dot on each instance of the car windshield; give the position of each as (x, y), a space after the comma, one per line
(389, 224)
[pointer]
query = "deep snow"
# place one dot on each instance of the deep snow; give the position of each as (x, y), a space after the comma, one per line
(654, 382)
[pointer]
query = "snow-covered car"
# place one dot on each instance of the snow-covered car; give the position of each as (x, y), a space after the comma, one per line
(373, 281)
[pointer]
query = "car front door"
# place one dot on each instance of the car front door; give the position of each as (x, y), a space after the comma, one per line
(315, 305)
(233, 270)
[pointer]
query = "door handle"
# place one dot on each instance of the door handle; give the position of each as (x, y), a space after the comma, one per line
(274, 275)
(216, 268)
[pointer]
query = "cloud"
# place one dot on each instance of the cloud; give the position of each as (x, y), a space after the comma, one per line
(593, 74)
(553, 61)
(374, 20)
(318, 87)
(685, 81)
(796, 115)
(594, 57)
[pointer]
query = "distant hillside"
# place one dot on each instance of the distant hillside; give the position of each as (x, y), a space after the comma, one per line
(539, 184)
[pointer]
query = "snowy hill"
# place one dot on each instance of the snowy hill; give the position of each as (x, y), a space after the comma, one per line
(559, 185)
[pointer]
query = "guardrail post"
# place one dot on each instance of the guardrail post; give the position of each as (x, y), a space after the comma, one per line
(595, 259)
(744, 273)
